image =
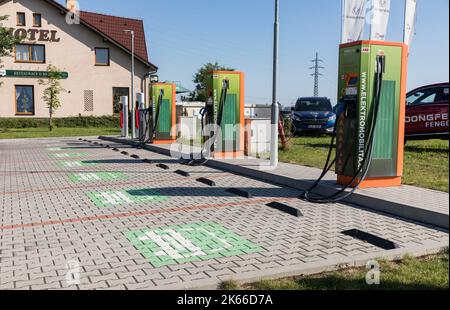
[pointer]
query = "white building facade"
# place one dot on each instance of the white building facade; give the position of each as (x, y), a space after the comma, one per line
(92, 50)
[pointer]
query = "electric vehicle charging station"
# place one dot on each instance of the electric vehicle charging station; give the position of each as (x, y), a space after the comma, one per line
(370, 124)
(225, 110)
(162, 113)
(124, 116)
(358, 87)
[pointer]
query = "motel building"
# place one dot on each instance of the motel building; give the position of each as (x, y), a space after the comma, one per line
(93, 51)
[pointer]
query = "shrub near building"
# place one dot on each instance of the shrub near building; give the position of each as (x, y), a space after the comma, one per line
(70, 122)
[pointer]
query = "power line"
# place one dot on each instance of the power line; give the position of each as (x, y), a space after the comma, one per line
(316, 73)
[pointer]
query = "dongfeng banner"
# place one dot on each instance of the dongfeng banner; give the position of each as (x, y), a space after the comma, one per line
(381, 10)
(410, 21)
(353, 20)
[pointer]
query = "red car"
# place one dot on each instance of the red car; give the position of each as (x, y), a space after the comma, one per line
(427, 112)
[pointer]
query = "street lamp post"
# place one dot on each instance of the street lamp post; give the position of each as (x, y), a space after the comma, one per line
(132, 103)
(275, 109)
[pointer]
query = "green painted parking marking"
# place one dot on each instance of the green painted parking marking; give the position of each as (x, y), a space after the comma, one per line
(96, 176)
(121, 197)
(188, 243)
(68, 155)
(75, 164)
(57, 149)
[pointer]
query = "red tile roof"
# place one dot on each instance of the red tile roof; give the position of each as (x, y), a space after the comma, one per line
(114, 27)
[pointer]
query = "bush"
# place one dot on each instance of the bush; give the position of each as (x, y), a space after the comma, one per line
(69, 122)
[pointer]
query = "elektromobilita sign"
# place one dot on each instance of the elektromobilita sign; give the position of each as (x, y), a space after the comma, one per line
(32, 74)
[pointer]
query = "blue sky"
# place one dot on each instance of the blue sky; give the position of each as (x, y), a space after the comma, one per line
(184, 34)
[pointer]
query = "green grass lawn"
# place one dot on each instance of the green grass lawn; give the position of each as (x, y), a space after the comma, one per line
(57, 132)
(426, 162)
(409, 274)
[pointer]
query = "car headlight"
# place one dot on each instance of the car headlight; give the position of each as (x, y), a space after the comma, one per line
(332, 118)
(296, 118)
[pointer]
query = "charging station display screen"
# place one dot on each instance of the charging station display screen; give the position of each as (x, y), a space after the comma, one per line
(353, 81)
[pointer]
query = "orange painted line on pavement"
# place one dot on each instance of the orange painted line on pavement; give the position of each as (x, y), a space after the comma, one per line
(82, 158)
(138, 214)
(103, 185)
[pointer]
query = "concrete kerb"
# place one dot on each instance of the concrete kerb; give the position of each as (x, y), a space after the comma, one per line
(378, 204)
(313, 268)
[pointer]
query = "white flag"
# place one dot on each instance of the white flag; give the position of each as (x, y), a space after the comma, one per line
(410, 21)
(381, 10)
(353, 20)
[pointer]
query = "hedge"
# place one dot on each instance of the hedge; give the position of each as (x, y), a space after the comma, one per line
(69, 122)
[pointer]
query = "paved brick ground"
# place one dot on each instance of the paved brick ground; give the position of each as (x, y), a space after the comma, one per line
(48, 219)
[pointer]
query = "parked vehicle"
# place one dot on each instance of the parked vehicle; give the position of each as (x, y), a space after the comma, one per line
(313, 114)
(427, 111)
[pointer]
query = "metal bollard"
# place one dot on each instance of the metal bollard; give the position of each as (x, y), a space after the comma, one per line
(124, 102)
(140, 105)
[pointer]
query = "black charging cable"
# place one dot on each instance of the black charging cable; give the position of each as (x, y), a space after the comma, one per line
(208, 147)
(368, 156)
(144, 141)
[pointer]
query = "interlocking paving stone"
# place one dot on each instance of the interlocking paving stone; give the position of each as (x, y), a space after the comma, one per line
(46, 220)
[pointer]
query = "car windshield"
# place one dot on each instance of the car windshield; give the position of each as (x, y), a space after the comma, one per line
(318, 105)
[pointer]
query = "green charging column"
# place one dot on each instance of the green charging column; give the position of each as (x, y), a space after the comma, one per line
(231, 143)
(357, 85)
(163, 97)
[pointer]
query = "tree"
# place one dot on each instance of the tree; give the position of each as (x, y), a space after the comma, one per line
(52, 92)
(7, 41)
(200, 79)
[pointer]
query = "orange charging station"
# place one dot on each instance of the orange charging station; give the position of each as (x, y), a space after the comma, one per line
(163, 116)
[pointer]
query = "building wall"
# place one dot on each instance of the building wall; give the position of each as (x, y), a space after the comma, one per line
(75, 54)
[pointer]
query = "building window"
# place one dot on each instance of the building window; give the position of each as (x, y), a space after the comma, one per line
(33, 53)
(24, 100)
(21, 19)
(37, 20)
(101, 56)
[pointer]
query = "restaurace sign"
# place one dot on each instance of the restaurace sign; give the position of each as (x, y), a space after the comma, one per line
(33, 74)
(39, 35)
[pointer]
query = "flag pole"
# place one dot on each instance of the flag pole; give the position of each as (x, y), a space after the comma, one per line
(371, 18)
(275, 108)
(342, 19)
(404, 21)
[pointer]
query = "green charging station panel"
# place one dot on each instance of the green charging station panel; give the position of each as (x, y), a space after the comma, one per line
(163, 96)
(232, 127)
(357, 78)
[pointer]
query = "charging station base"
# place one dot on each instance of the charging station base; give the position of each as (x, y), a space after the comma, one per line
(371, 182)
(228, 155)
(160, 142)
